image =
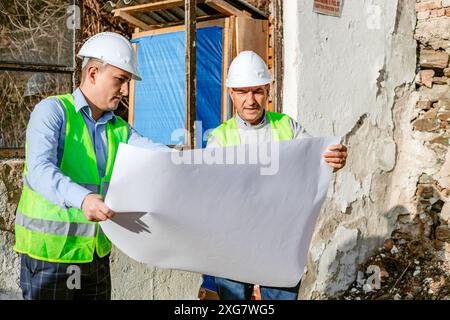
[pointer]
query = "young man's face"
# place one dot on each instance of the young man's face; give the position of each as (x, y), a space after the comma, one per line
(250, 102)
(110, 86)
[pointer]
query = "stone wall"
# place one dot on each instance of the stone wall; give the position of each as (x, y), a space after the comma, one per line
(130, 280)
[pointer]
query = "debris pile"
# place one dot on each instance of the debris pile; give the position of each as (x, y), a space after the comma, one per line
(404, 270)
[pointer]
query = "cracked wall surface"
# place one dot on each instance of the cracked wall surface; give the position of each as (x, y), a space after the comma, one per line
(351, 76)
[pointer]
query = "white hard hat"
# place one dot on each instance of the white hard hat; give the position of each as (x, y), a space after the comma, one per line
(113, 49)
(248, 70)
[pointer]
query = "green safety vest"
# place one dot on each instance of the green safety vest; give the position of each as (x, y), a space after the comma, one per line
(48, 232)
(228, 135)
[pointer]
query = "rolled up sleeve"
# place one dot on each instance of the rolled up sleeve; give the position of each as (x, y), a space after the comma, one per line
(43, 174)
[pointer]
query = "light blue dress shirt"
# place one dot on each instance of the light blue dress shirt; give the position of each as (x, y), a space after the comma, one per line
(45, 142)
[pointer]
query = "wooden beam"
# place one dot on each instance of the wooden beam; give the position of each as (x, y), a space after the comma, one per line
(226, 39)
(131, 102)
(76, 75)
(39, 68)
(226, 8)
(131, 95)
(190, 94)
(252, 34)
(278, 63)
(129, 18)
(155, 6)
(229, 53)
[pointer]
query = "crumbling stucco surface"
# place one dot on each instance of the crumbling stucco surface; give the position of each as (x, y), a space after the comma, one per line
(353, 76)
(130, 279)
(133, 280)
(10, 188)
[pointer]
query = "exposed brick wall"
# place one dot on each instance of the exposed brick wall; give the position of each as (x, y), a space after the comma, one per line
(432, 122)
(431, 125)
(260, 4)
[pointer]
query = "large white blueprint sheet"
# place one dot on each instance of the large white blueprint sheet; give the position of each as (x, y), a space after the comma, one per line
(247, 222)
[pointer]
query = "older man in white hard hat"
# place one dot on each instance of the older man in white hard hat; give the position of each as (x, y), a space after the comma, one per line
(71, 143)
(249, 85)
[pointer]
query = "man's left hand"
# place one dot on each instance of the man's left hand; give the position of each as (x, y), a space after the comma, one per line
(336, 156)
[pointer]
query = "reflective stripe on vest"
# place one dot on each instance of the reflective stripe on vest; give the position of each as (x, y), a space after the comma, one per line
(227, 133)
(105, 186)
(56, 227)
(46, 231)
(91, 187)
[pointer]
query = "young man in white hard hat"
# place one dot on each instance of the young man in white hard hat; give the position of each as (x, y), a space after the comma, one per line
(248, 83)
(71, 143)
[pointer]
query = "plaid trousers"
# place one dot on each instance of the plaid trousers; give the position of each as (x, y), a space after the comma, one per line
(43, 280)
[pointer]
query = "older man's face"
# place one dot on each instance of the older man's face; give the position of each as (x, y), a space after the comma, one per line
(250, 102)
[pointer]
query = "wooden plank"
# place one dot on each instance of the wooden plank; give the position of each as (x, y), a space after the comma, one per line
(204, 24)
(233, 54)
(252, 34)
(131, 97)
(134, 21)
(251, 6)
(233, 47)
(190, 93)
(229, 52)
(278, 63)
(226, 8)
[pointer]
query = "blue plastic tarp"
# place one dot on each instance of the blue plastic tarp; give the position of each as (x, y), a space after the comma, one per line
(160, 96)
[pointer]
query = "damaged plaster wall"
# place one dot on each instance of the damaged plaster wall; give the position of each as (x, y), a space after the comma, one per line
(351, 76)
(130, 279)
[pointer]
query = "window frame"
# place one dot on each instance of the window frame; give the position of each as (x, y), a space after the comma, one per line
(19, 152)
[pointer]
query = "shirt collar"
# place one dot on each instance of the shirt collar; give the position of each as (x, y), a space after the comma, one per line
(80, 103)
(243, 124)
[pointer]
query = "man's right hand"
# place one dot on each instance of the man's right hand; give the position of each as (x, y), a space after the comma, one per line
(95, 209)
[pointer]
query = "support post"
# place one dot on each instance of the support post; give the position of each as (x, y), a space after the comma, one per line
(278, 66)
(190, 96)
